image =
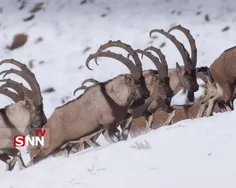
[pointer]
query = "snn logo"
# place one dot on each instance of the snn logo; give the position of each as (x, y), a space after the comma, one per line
(20, 141)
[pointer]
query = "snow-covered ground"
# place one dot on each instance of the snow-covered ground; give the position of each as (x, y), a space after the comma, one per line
(191, 153)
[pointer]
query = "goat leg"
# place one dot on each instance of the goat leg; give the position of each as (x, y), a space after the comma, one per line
(20, 161)
(86, 144)
(81, 143)
(149, 121)
(110, 134)
(5, 158)
(93, 139)
(201, 110)
(8, 165)
(224, 108)
(228, 94)
(16, 158)
(68, 148)
(60, 152)
(230, 105)
(126, 127)
(107, 137)
(170, 117)
(224, 105)
(78, 147)
(114, 134)
(209, 109)
(81, 146)
(92, 143)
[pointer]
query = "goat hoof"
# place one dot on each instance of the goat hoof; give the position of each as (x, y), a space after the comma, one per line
(23, 167)
(8, 168)
(116, 138)
(29, 164)
(11, 167)
(124, 137)
(67, 154)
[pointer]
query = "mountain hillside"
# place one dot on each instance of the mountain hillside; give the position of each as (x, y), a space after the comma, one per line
(61, 35)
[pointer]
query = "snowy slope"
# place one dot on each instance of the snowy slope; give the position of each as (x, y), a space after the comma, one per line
(192, 153)
(189, 154)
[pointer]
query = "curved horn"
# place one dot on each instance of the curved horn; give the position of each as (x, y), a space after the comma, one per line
(84, 82)
(191, 42)
(18, 87)
(128, 63)
(89, 80)
(160, 55)
(78, 88)
(163, 70)
(27, 75)
(184, 53)
(19, 73)
(12, 95)
(124, 46)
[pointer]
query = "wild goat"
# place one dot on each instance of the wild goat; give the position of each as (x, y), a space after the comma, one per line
(158, 86)
(182, 76)
(223, 72)
(160, 94)
(180, 112)
(22, 116)
(101, 106)
(160, 117)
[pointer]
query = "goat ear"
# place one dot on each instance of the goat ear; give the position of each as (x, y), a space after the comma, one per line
(27, 103)
(177, 65)
(202, 69)
(209, 75)
(128, 78)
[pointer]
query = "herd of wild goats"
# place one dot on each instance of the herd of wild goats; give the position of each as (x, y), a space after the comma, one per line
(136, 102)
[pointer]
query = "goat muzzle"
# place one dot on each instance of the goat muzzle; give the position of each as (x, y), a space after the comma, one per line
(195, 88)
(146, 95)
